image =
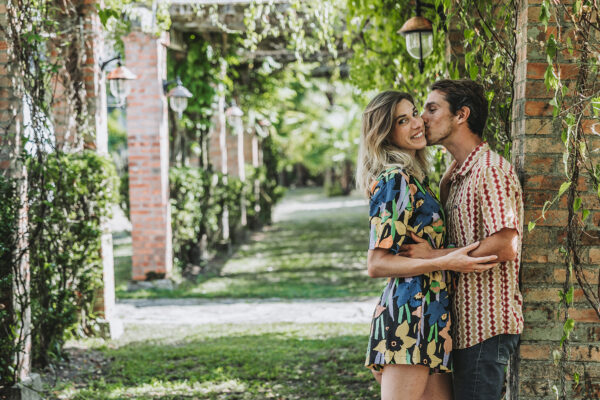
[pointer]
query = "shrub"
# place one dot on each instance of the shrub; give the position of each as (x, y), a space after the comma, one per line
(69, 197)
(9, 208)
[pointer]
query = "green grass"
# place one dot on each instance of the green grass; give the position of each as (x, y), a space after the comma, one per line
(279, 361)
(310, 254)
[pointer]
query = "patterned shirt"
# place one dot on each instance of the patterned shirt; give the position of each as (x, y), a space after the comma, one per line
(485, 196)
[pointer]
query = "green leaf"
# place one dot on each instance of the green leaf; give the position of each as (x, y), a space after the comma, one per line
(564, 136)
(582, 148)
(569, 323)
(569, 300)
(577, 7)
(545, 14)
(576, 378)
(530, 226)
(551, 48)
(577, 204)
(585, 213)
(569, 45)
(469, 34)
(105, 14)
(549, 78)
(563, 188)
(473, 72)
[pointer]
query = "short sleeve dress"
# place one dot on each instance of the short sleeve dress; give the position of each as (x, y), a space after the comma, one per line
(411, 322)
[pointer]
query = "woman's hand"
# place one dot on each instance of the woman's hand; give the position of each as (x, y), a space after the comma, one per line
(421, 248)
(460, 261)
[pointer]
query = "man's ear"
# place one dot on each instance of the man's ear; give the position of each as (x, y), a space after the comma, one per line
(462, 115)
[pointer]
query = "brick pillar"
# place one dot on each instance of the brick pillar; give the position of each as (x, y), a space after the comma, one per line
(148, 147)
(95, 85)
(537, 156)
(11, 131)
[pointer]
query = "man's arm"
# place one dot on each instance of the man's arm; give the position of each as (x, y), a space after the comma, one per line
(445, 183)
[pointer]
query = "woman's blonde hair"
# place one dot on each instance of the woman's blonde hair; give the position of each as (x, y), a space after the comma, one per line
(377, 153)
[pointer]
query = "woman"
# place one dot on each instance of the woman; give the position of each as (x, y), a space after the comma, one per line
(410, 344)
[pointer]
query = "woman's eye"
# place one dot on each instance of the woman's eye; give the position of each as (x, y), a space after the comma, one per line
(401, 121)
(415, 113)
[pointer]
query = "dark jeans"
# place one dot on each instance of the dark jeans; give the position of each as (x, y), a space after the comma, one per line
(479, 371)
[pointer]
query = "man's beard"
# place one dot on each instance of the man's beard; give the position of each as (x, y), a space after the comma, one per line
(439, 138)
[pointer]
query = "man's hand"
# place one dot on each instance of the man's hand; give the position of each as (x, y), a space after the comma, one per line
(422, 248)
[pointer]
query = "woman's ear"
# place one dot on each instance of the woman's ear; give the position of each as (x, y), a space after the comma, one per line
(462, 114)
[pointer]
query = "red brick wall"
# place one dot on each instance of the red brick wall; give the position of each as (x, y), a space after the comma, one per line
(148, 148)
(537, 155)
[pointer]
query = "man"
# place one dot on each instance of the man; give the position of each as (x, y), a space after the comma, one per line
(483, 201)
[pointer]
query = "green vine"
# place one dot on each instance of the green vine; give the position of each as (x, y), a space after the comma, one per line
(571, 105)
(63, 190)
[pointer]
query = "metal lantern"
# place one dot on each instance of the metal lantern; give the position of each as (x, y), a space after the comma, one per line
(118, 80)
(178, 97)
(418, 32)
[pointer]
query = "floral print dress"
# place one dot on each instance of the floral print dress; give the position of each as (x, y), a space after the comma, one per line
(411, 322)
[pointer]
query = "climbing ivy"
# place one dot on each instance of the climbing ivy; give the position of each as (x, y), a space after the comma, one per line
(573, 106)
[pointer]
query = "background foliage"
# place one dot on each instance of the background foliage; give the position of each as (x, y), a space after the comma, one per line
(66, 265)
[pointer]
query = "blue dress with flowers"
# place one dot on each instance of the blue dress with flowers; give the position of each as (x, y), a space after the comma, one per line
(411, 322)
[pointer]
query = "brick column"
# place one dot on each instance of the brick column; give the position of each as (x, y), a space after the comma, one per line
(148, 147)
(95, 86)
(11, 131)
(537, 156)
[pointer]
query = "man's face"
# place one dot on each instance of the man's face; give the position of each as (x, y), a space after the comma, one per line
(439, 121)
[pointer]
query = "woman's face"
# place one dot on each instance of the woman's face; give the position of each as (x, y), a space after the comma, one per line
(408, 131)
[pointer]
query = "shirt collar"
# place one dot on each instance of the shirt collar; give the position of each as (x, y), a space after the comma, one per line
(470, 161)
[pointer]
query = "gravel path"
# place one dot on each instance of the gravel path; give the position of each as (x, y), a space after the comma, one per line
(225, 311)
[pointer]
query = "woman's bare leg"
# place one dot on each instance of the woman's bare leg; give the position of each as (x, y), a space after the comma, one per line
(403, 382)
(377, 375)
(439, 387)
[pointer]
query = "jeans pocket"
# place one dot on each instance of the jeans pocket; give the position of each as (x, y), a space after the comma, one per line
(506, 346)
(503, 350)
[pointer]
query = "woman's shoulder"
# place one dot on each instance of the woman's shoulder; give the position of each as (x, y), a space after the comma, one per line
(391, 177)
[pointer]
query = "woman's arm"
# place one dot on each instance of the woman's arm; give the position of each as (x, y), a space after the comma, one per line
(381, 263)
(504, 244)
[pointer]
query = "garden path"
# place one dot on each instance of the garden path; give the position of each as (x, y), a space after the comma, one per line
(298, 206)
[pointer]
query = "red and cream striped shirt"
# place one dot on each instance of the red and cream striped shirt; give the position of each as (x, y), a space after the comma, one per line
(485, 196)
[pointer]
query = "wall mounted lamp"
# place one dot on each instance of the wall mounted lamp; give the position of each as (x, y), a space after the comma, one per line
(418, 32)
(178, 96)
(118, 79)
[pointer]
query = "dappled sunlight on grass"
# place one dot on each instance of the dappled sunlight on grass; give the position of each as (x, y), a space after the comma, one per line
(290, 361)
(311, 254)
(158, 389)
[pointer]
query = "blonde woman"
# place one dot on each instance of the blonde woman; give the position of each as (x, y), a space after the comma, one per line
(410, 344)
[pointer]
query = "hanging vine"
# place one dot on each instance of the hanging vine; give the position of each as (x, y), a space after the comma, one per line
(573, 108)
(64, 190)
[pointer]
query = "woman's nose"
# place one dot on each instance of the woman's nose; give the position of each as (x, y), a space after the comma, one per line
(417, 121)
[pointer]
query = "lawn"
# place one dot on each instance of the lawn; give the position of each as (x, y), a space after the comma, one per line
(279, 361)
(317, 249)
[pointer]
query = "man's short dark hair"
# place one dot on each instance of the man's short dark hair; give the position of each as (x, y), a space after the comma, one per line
(461, 93)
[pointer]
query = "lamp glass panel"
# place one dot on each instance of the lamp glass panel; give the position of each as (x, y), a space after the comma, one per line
(119, 88)
(412, 43)
(178, 104)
